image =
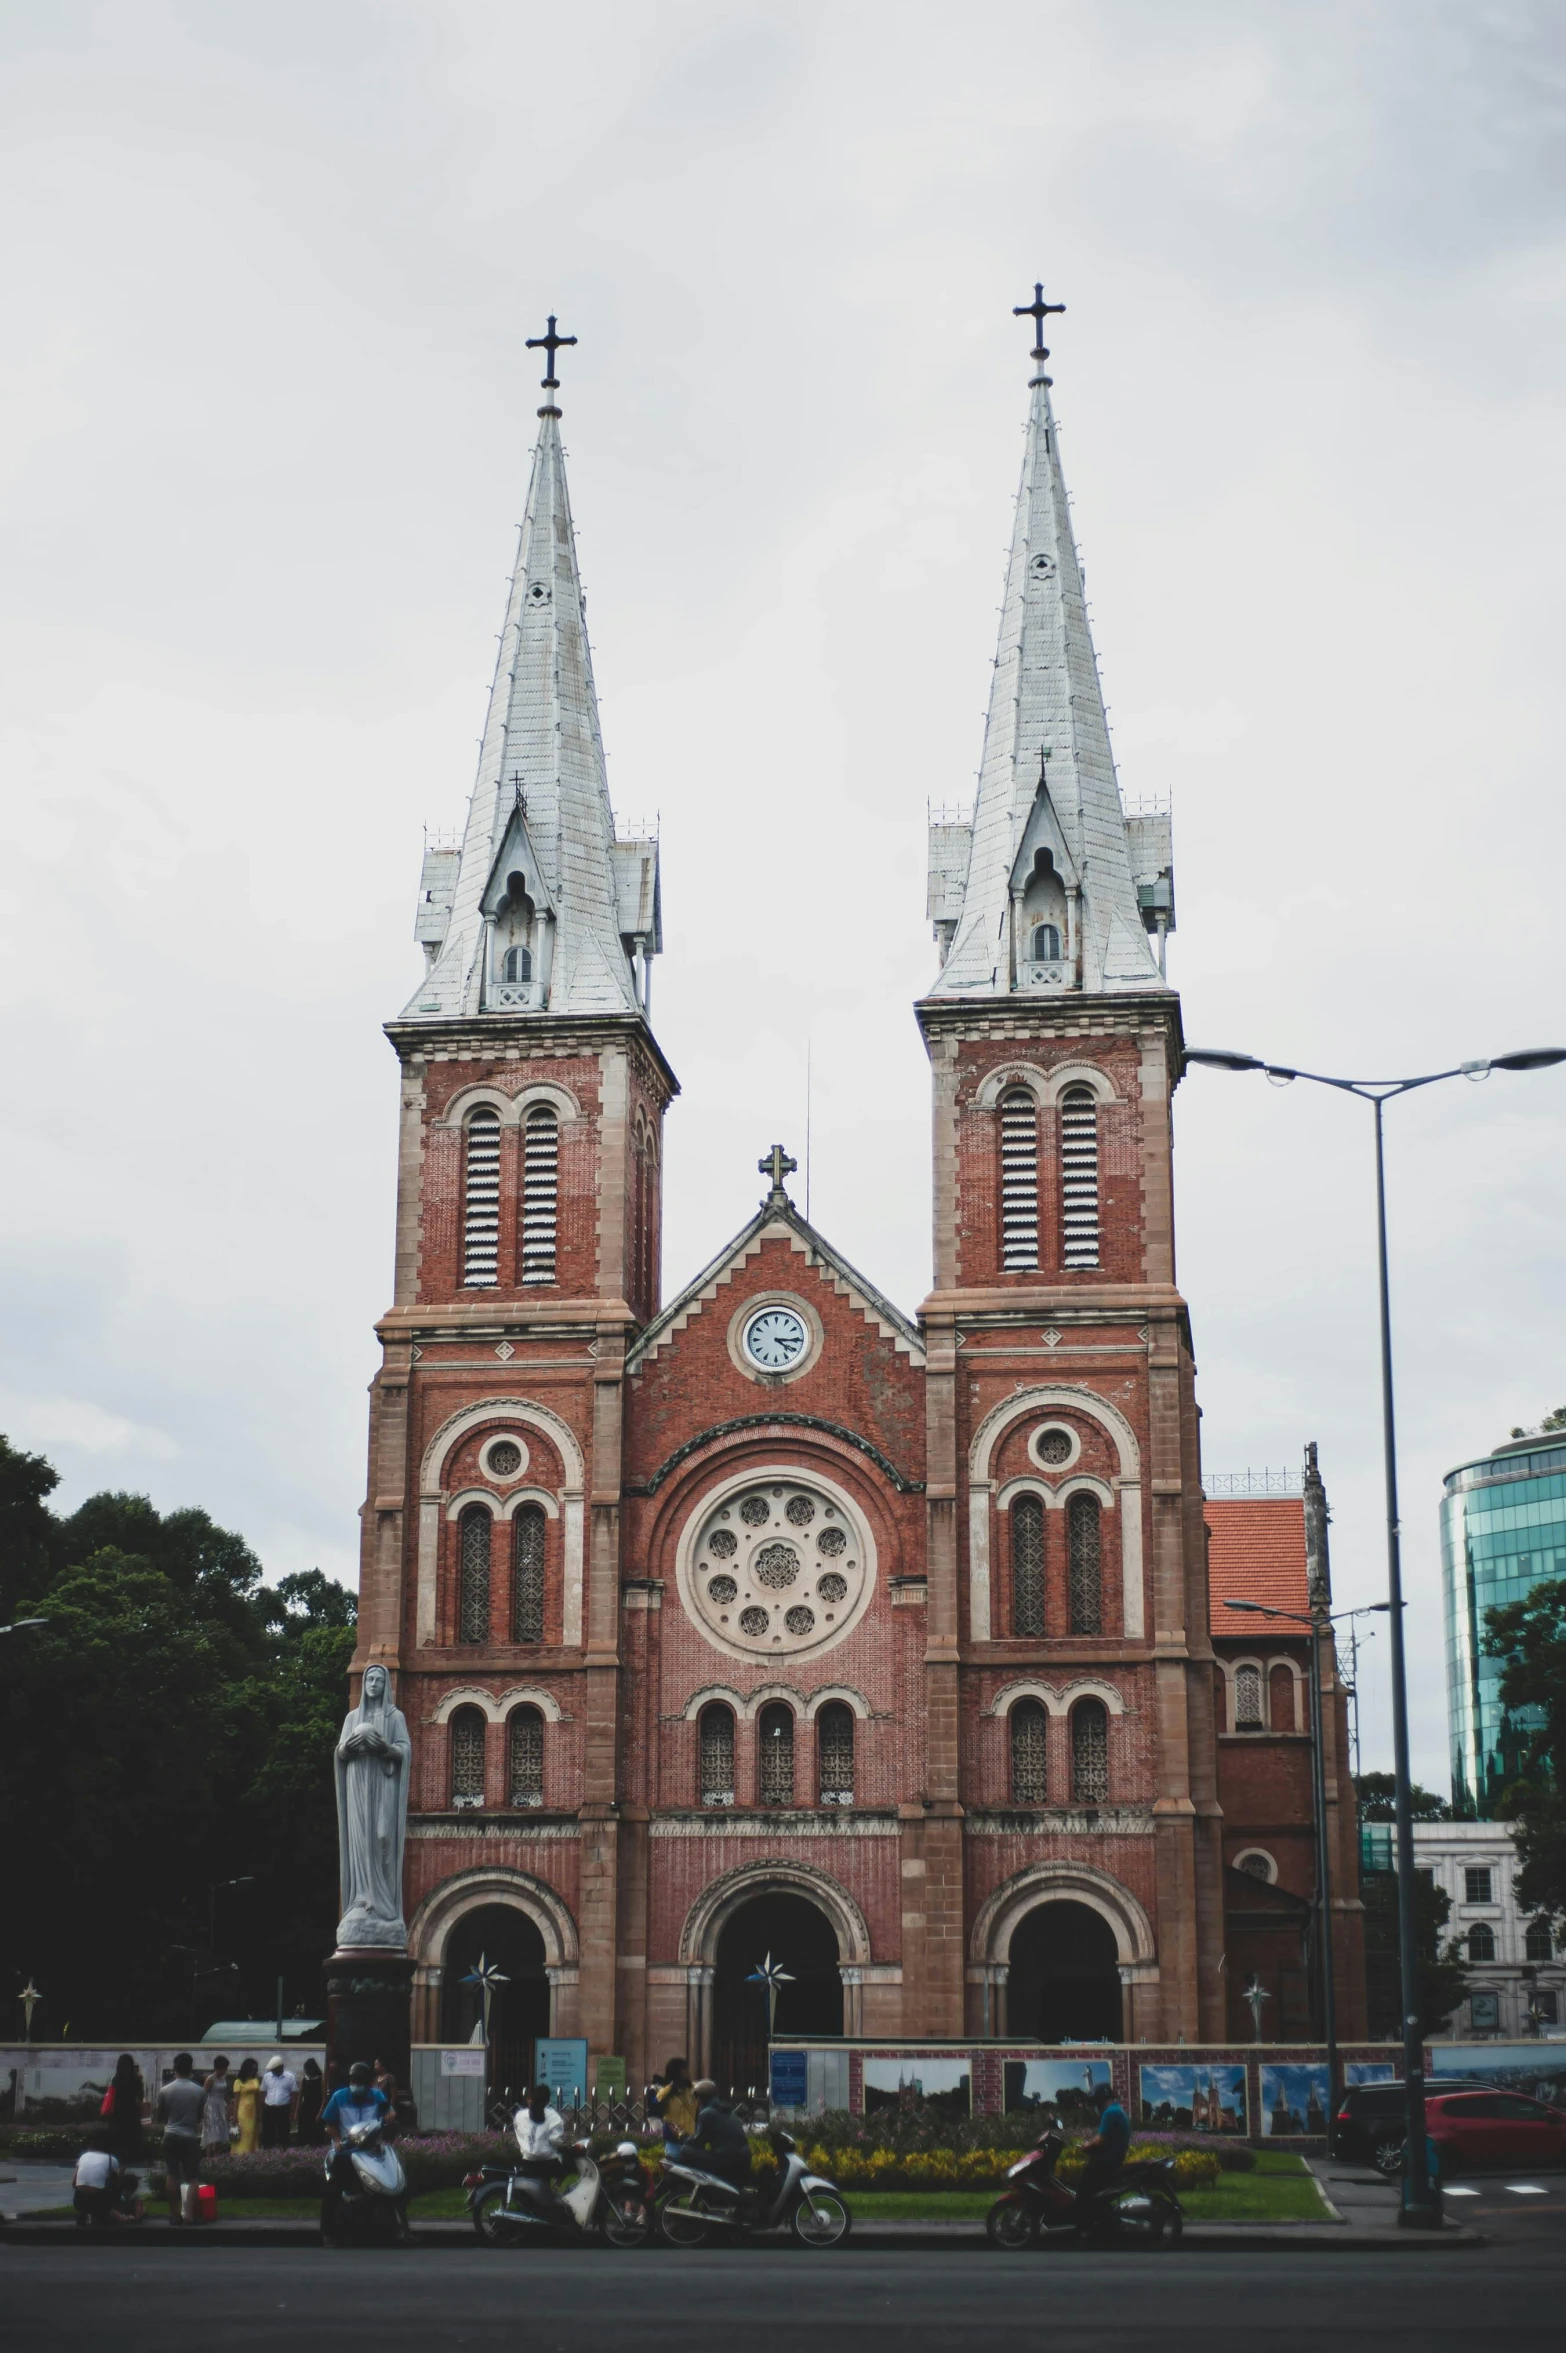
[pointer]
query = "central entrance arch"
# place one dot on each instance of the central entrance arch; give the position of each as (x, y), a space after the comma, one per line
(802, 1941)
(518, 2010)
(1064, 1983)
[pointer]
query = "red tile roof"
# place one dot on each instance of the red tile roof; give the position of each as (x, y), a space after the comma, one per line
(1256, 1553)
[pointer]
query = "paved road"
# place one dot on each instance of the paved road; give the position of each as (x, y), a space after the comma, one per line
(918, 2302)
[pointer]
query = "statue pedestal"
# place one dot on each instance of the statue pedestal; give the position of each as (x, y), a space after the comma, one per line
(367, 2003)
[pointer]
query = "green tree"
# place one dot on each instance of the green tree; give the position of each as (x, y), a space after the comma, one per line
(170, 1728)
(1443, 1979)
(1376, 1793)
(1530, 1635)
(1551, 1423)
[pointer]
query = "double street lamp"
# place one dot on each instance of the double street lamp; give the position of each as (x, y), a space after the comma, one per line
(1419, 2209)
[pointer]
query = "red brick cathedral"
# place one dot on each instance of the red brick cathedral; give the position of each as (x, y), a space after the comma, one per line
(772, 1618)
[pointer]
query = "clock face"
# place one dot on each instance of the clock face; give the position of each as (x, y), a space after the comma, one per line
(775, 1339)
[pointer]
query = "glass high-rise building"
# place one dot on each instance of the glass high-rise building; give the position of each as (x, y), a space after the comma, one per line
(1503, 1529)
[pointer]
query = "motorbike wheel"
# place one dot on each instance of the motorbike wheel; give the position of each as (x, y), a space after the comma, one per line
(821, 2219)
(1009, 2224)
(683, 2226)
(489, 2217)
(626, 2222)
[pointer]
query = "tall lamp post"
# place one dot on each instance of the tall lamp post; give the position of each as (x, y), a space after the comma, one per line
(1319, 1623)
(1419, 2210)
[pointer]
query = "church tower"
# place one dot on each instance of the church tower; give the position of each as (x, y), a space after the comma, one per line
(1067, 1568)
(527, 1255)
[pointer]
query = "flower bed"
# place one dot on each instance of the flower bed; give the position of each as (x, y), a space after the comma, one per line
(914, 2130)
(983, 2169)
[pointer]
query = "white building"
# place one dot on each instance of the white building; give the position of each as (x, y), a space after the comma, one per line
(1517, 1977)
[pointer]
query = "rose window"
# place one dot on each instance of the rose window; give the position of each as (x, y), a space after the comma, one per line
(1055, 1447)
(776, 1566)
(505, 1458)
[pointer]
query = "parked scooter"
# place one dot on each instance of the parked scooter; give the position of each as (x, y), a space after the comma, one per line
(612, 2198)
(1138, 2208)
(368, 2194)
(696, 2208)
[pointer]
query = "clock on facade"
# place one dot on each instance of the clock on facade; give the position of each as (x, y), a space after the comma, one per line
(775, 1338)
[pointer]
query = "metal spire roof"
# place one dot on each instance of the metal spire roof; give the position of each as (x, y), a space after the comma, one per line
(1046, 720)
(542, 795)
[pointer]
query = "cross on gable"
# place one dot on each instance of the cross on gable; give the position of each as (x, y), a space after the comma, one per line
(777, 1165)
(550, 343)
(1038, 310)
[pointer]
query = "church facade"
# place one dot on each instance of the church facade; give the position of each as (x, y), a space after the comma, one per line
(773, 1618)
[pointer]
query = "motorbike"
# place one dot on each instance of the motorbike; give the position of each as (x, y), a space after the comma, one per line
(612, 2198)
(1138, 2208)
(371, 2190)
(697, 2208)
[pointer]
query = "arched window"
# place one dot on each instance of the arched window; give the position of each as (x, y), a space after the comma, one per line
(1085, 1570)
(776, 1776)
(467, 1757)
(525, 1727)
(517, 964)
(1280, 1700)
(1481, 1942)
(481, 1198)
(1027, 1565)
(473, 1575)
(527, 1574)
(1019, 1204)
(1247, 1699)
(1537, 1943)
(1079, 1177)
(835, 1753)
(716, 1739)
(1090, 1752)
(1044, 947)
(540, 1194)
(1029, 1725)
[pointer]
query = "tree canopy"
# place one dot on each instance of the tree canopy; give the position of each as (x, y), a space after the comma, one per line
(1377, 1793)
(170, 1730)
(1530, 1635)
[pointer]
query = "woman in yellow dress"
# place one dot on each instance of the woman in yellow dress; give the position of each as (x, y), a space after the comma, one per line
(247, 2106)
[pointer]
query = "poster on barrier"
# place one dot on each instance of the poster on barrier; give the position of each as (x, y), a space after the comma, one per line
(1294, 2102)
(942, 2084)
(1071, 2092)
(1193, 2099)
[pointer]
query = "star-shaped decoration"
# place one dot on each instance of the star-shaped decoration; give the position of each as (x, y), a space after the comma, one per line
(29, 1998)
(769, 1973)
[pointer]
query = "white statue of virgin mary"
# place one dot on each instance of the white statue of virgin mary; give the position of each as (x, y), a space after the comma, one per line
(372, 1761)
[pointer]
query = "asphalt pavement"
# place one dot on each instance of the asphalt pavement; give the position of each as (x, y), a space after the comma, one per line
(146, 2299)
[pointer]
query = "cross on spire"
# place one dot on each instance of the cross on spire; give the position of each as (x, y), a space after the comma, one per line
(551, 343)
(1038, 310)
(777, 1165)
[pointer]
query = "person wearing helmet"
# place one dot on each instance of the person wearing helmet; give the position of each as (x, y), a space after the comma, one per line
(719, 2144)
(357, 2103)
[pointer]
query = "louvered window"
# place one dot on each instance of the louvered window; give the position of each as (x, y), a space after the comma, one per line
(481, 1200)
(473, 1575)
(1090, 1752)
(835, 1753)
(1247, 1699)
(777, 1756)
(1079, 1177)
(527, 1574)
(526, 1729)
(1027, 1565)
(1019, 1139)
(716, 1733)
(467, 1757)
(540, 1194)
(1029, 1753)
(1085, 1571)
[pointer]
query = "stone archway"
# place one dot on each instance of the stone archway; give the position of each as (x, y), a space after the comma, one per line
(797, 1934)
(1099, 1926)
(1063, 1982)
(503, 1935)
(839, 1945)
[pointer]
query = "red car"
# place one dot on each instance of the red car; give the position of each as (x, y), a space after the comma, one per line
(1476, 2128)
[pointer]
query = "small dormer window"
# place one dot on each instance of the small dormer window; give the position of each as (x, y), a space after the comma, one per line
(1044, 911)
(1044, 947)
(516, 964)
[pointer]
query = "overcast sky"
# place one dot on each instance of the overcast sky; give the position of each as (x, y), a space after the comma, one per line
(267, 419)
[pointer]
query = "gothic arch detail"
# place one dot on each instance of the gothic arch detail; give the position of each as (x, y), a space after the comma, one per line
(1127, 1496)
(573, 1468)
(705, 1920)
(430, 1928)
(1005, 1909)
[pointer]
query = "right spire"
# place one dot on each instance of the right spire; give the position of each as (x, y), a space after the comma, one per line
(1049, 887)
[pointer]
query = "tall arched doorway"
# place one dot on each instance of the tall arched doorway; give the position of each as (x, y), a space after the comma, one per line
(1064, 1981)
(802, 1941)
(518, 2010)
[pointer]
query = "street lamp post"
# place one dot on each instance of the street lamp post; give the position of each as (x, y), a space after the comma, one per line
(1319, 1623)
(1419, 2210)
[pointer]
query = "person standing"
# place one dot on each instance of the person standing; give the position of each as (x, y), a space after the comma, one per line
(247, 2107)
(676, 2102)
(312, 2084)
(178, 2108)
(214, 2115)
(122, 2109)
(279, 2098)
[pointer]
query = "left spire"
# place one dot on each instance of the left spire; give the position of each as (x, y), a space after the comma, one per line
(540, 909)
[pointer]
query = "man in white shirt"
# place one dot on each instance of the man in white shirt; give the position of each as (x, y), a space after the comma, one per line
(279, 2100)
(97, 2184)
(540, 2131)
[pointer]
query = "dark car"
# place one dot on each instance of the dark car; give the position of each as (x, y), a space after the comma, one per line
(1369, 2125)
(1473, 2125)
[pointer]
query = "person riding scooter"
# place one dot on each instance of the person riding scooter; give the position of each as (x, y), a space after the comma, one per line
(357, 2103)
(719, 2144)
(1106, 2153)
(540, 2135)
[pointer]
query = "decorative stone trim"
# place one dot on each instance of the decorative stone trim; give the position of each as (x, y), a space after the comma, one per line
(775, 1424)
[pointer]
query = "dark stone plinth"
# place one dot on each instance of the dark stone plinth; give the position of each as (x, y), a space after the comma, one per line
(367, 2009)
